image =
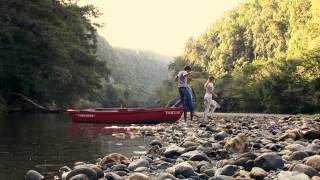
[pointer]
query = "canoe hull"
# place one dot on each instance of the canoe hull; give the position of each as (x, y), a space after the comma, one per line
(126, 115)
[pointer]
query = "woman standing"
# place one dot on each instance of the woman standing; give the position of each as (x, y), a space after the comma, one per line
(208, 101)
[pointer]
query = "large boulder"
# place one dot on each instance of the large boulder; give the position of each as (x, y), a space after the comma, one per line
(269, 161)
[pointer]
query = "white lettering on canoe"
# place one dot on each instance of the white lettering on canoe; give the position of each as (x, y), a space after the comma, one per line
(86, 115)
(172, 112)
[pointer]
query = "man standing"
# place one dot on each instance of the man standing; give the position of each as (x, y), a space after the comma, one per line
(185, 97)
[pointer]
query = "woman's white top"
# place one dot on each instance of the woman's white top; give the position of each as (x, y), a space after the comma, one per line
(209, 90)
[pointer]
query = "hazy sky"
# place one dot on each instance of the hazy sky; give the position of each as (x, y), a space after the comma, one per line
(162, 26)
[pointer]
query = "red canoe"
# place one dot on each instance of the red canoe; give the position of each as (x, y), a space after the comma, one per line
(126, 115)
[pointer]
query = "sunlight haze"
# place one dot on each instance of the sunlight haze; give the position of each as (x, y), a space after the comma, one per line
(162, 26)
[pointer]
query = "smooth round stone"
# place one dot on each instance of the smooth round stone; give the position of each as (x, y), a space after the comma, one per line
(228, 170)
(156, 143)
(269, 161)
(314, 161)
(173, 150)
(298, 155)
(188, 144)
(113, 176)
(209, 172)
(220, 136)
(33, 175)
(95, 167)
(304, 169)
(257, 145)
(258, 173)
(121, 173)
(312, 134)
(141, 169)
(313, 148)
(165, 176)
(164, 165)
(89, 172)
(184, 169)
(120, 167)
(138, 163)
(295, 147)
(139, 176)
(79, 177)
(286, 175)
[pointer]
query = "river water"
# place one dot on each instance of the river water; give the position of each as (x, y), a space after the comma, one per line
(46, 142)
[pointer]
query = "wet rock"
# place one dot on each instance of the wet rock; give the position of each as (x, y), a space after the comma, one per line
(196, 156)
(209, 172)
(33, 175)
(275, 147)
(138, 163)
(312, 134)
(165, 176)
(96, 168)
(113, 176)
(228, 170)
(156, 143)
(164, 165)
(245, 160)
(304, 169)
(188, 144)
(258, 173)
(79, 177)
(312, 149)
(172, 151)
(298, 155)
(89, 172)
(257, 145)
(120, 167)
(220, 136)
(113, 158)
(269, 161)
(287, 175)
(184, 169)
(121, 173)
(314, 161)
(295, 147)
(139, 176)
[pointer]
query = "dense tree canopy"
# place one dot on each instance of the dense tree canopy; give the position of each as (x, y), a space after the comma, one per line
(47, 52)
(264, 55)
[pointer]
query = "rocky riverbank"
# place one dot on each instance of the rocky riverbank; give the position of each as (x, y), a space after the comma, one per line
(225, 147)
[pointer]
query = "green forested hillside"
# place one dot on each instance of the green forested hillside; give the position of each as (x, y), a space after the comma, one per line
(134, 74)
(265, 55)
